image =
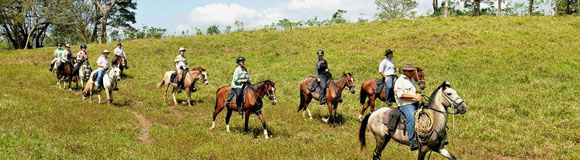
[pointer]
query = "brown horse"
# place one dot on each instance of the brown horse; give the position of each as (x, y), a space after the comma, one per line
(253, 103)
(118, 61)
(64, 72)
(333, 94)
(189, 83)
(367, 92)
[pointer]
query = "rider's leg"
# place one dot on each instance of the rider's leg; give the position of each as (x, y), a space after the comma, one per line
(100, 74)
(388, 87)
(408, 111)
(76, 68)
(323, 86)
(52, 64)
(126, 64)
(179, 79)
(239, 100)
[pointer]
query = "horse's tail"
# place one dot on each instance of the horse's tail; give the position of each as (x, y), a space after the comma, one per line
(217, 97)
(302, 99)
(161, 83)
(363, 95)
(87, 88)
(361, 133)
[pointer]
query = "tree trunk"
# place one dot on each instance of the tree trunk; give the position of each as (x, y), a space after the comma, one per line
(41, 34)
(105, 10)
(28, 36)
(556, 7)
(568, 7)
(498, 8)
(531, 8)
(9, 36)
(435, 10)
(446, 8)
(476, 7)
(96, 24)
(103, 29)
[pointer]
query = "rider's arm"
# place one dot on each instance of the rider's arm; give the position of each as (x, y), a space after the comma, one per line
(416, 97)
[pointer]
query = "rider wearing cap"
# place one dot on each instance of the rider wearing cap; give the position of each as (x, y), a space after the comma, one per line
(322, 75)
(180, 63)
(406, 96)
(241, 79)
(387, 70)
(120, 53)
(102, 64)
(57, 54)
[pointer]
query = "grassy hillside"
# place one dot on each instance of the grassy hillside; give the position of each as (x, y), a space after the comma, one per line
(519, 76)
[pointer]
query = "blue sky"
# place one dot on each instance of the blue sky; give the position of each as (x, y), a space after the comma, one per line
(179, 15)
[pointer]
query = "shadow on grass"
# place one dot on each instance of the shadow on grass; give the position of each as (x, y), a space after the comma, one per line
(340, 119)
(184, 102)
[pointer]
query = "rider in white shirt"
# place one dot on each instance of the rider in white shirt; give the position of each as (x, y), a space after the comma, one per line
(120, 53)
(387, 71)
(102, 64)
(406, 95)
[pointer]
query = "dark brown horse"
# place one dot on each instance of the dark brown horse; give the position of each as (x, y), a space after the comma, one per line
(367, 91)
(253, 103)
(333, 94)
(118, 61)
(64, 72)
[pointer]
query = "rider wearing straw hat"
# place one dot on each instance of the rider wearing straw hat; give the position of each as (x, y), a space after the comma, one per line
(102, 64)
(180, 63)
(406, 96)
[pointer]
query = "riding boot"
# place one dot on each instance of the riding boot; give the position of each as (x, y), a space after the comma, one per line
(413, 145)
(179, 86)
(51, 66)
(240, 107)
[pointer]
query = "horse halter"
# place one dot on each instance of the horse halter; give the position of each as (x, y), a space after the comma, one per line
(417, 76)
(271, 96)
(453, 103)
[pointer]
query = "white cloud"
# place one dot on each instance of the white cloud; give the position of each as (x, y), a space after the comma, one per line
(221, 13)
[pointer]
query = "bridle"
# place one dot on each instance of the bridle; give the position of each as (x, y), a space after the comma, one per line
(271, 96)
(417, 76)
(453, 104)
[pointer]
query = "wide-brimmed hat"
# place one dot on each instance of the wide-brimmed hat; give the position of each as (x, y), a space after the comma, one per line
(408, 67)
(182, 49)
(67, 45)
(106, 51)
(388, 51)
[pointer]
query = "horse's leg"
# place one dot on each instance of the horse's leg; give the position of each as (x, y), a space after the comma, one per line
(109, 96)
(446, 154)
(364, 108)
(422, 152)
(382, 141)
(217, 111)
(173, 94)
(246, 120)
(372, 104)
(261, 118)
(334, 108)
(188, 91)
(307, 102)
(329, 112)
(165, 95)
(228, 116)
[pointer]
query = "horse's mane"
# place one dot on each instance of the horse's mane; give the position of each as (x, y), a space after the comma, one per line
(198, 69)
(432, 97)
(255, 86)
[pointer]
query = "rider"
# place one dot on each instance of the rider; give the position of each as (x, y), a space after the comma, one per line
(322, 75)
(120, 53)
(180, 63)
(82, 56)
(241, 79)
(406, 96)
(66, 57)
(102, 64)
(387, 70)
(57, 54)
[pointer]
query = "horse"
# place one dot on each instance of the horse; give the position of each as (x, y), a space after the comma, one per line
(368, 92)
(120, 63)
(84, 73)
(64, 72)
(333, 94)
(189, 83)
(440, 100)
(110, 77)
(253, 103)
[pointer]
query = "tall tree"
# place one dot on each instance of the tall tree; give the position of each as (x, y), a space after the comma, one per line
(105, 6)
(391, 9)
(446, 8)
(476, 7)
(498, 8)
(213, 30)
(435, 9)
(337, 17)
(531, 8)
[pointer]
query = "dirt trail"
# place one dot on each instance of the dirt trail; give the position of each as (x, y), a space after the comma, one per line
(145, 125)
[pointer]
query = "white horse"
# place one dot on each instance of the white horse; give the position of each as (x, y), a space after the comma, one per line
(84, 73)
(442, 98)
(109, 79)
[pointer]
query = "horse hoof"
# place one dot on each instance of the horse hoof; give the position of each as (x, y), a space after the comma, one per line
(211, 128)
(325, 120)
(267, 137)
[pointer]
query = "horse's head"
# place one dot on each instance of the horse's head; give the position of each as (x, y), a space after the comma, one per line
(271, 91)
(115, 72)
(202, 75)
(420, 77)
(453, 99)
(349, 82)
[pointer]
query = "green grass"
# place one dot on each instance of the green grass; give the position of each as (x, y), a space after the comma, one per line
(519, 76)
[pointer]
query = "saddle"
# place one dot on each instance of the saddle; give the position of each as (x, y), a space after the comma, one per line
(232, 97)
(316, 85)
(379, 87)
(395, 119)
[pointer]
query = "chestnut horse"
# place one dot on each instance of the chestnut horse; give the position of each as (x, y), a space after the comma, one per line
(120, 64)
(253, 103)
(333, 94)
(367, 92)
(189, 83)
